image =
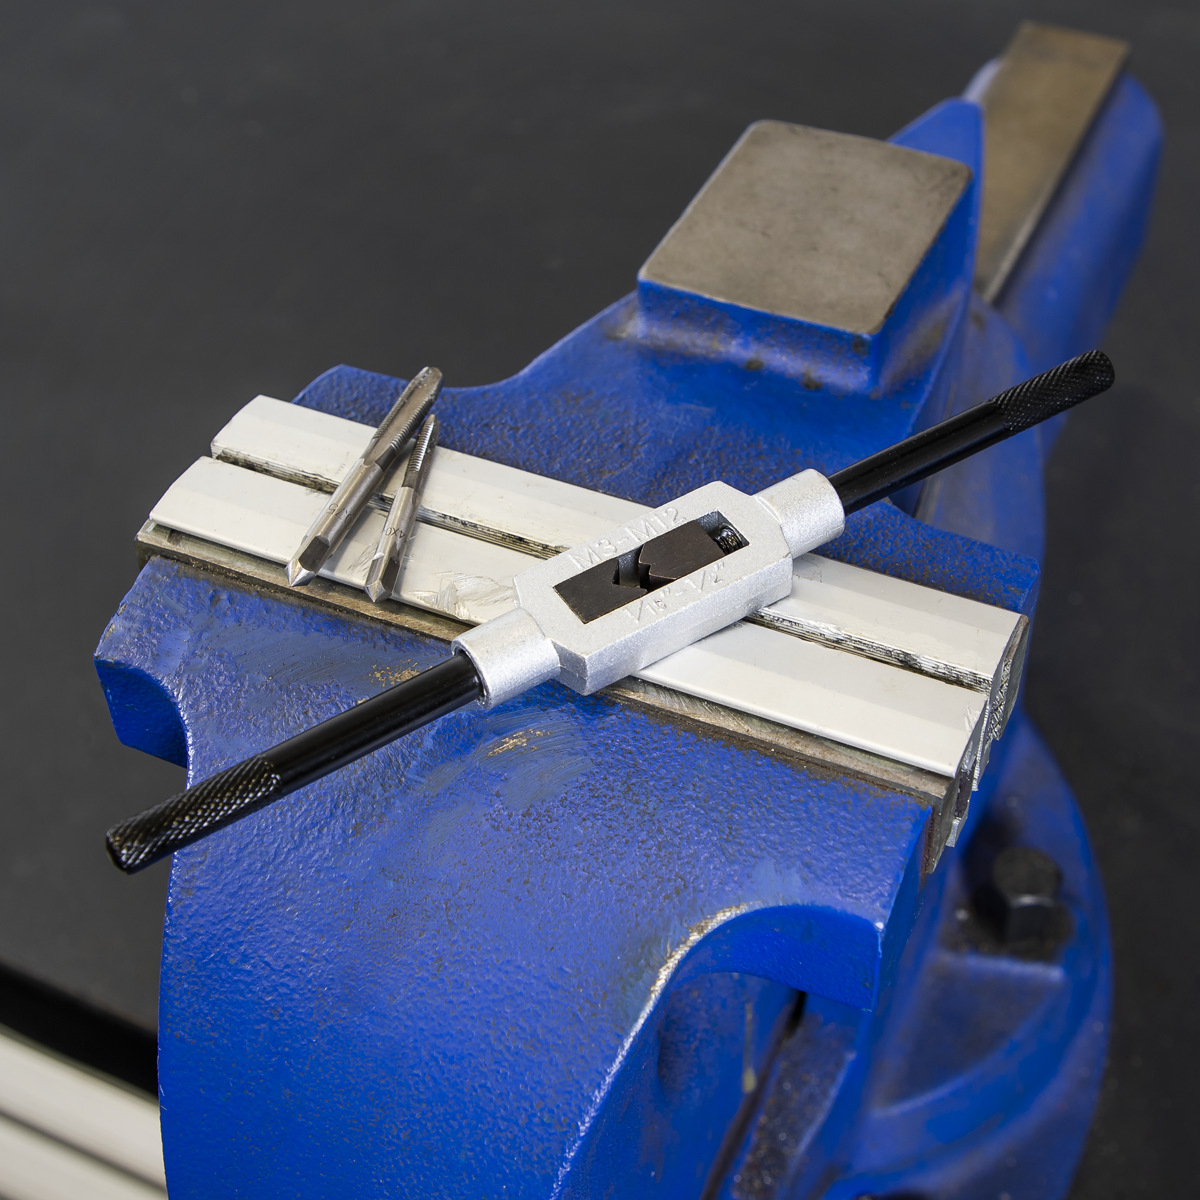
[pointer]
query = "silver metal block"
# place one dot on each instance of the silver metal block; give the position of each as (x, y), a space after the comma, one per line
(599, 652)
(1039, 101)
(817, 226)
(807, 508)
(511, 654)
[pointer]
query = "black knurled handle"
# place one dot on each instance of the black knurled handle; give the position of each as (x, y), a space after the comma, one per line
(966, 433)
(1054, 391)
(281, 770)
(191, 814)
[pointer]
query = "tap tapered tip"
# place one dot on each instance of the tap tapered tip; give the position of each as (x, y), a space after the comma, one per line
(308, 560)
(298, 576)
(382, 577)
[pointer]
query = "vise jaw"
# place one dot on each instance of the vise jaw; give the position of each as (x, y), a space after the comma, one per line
(641, 942)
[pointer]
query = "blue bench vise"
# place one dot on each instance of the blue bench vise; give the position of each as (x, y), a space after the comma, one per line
(576, 947)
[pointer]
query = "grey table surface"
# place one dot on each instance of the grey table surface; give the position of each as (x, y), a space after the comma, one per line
(205, 202)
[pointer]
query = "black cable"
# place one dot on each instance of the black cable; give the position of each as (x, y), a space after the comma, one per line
(250, 785)
(942, 445)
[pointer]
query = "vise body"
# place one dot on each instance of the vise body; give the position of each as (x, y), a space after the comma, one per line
(726, 929)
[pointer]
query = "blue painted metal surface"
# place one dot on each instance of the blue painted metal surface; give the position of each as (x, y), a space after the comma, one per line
(570, 948)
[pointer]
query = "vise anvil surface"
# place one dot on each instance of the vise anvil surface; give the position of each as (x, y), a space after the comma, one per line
(571, 947)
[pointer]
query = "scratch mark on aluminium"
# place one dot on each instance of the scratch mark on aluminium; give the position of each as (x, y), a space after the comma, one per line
(382, 502)
(832, 636)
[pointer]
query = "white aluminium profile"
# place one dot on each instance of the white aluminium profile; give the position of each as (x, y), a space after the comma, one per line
(874, 675)
(932, 632)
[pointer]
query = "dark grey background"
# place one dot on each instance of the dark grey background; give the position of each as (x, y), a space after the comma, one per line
(200, 202)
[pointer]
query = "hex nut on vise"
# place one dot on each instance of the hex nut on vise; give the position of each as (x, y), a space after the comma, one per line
(1020, 896)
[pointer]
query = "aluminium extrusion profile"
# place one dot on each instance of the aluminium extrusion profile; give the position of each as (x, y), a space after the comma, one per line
(927, 631)
(870, 704)
(65, 1131)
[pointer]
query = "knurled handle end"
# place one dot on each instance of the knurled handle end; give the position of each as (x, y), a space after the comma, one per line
(184, 818)
(1054, 391)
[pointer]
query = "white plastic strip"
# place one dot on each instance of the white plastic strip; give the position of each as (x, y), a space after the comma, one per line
(871, 705)
(84, 1118)
(35, 1167)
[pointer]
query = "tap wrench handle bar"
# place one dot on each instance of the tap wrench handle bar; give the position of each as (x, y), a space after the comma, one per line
(458, 681)
(958, 437)
(256, 782)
